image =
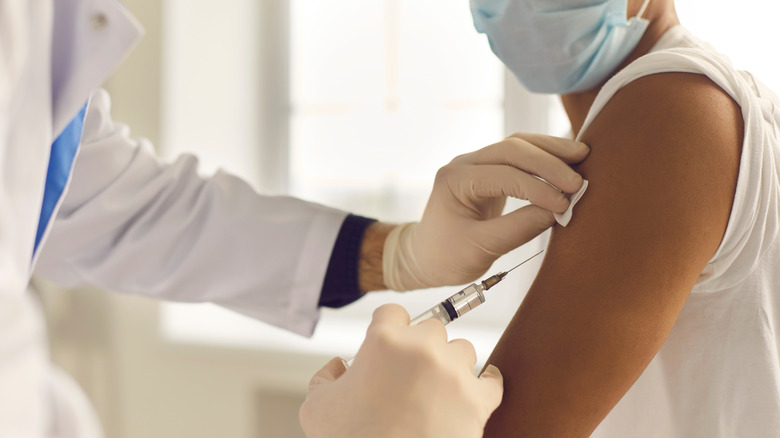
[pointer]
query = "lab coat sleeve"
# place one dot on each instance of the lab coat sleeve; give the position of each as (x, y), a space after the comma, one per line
(133, 224)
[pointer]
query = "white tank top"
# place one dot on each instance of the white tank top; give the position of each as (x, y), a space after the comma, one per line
(718, 373)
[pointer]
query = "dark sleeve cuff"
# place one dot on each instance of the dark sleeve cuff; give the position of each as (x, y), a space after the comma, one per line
(341, 279)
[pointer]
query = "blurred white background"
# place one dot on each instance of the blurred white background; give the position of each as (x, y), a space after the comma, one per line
(367, 101)
(350, 103)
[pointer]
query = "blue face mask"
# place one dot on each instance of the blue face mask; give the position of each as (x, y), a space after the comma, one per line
(559, 46)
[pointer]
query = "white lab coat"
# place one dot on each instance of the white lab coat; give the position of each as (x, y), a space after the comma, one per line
(127, 222)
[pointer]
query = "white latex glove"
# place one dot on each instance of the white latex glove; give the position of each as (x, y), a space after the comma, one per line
(405, 382)
(462, 231)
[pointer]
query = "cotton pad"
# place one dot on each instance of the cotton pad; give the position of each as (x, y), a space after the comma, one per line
(565, 217)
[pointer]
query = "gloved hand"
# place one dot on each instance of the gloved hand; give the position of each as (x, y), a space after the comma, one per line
(405, 382)
(462, 231)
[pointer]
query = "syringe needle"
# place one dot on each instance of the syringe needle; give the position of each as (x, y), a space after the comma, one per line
(494, 280)
(461, 302)
(523, 262)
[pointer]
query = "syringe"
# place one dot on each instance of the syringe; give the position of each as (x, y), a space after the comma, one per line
(462, 302)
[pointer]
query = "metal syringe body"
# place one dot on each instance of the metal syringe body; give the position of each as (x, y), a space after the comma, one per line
(459, 304)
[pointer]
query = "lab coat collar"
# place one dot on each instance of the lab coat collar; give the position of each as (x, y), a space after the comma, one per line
(91, 38)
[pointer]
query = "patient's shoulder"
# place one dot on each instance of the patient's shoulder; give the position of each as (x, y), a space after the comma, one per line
(665, 151)
(671, 110)
(677, 126)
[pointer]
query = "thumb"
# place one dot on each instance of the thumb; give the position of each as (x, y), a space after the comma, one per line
(327, 374)
(507, 232)
(491, 383)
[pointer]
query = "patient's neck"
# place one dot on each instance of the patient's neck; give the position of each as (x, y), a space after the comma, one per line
(577, 105)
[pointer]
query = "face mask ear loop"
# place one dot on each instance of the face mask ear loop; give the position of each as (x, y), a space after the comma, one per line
(643, 9)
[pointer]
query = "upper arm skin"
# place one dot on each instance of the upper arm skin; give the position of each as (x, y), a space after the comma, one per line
(663, 168)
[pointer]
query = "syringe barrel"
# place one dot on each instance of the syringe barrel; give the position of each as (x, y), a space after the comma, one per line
(438, 311)
(450, 309)
(467, 299)
(455, 306)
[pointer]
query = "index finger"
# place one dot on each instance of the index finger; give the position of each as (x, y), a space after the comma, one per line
(569, 151)
(529, 158)
(392, 314)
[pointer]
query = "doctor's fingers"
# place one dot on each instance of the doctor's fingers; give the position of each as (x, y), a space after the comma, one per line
(328, 373)
(523, 155)
(387, 328)
(570, 151)
(389, 314)
(490, 388)
(505, 233)
(462, 351)
(489, 181)
(431, 331)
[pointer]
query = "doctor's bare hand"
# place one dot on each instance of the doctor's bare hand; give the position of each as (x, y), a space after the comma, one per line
(463, 230)
(406, 381)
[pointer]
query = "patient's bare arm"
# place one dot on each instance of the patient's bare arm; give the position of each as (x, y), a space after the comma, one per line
(663, 168)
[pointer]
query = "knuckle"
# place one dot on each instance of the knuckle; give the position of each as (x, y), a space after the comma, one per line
(420, 356)
(305, 414)
(382, 336)
(425, 355)
(459, 158)
(433, 331)
(472, 352)
(466, 347)
(389, 308)
(514, 142)
(522, 192)
(444, 172)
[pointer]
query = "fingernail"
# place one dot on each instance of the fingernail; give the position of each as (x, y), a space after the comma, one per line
(492, 370)
(576, 180)
(562, 202)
